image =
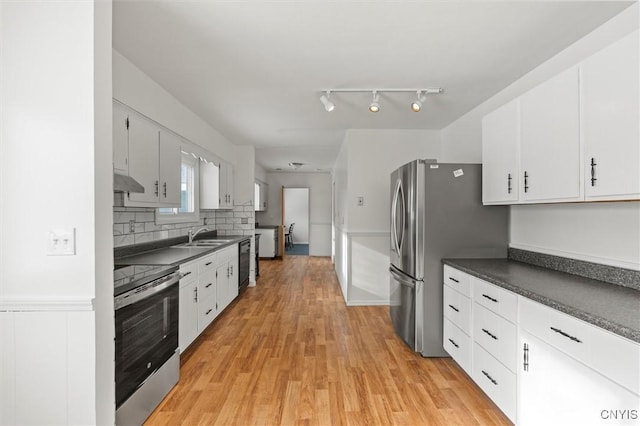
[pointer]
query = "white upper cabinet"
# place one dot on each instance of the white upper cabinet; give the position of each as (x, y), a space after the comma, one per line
(550, 140)
(170, 167)
(226, 185)
(120, 139)
(153, 159)
(144, 158)
(500, 144)
(209, 184)
(575, 138)
(610, 122)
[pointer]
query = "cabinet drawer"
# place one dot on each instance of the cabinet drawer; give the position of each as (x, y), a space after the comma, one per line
(562, 331)
(496, 335)
(458, 280)
(457, 308)
(207, 285)
(206, 263)
(612, 356)
(206, 312)
(496, 299)
(189, 272)
(495, 380)
(458, 345)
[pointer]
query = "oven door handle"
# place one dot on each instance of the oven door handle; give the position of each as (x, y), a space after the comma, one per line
(146, 291)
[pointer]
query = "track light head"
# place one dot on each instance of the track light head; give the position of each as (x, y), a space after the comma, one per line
(374, 106)
(328, 105)
(416, 105)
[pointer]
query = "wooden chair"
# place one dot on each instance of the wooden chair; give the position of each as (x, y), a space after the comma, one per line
(288, 237)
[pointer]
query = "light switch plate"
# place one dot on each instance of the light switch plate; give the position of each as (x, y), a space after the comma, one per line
(61, 242)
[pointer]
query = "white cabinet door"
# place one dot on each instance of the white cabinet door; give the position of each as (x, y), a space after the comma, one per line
(226, 185)
(222, 287)
(233, 274)
(188, 315)
(170, 165)
(500, 146)
(556, 389)
(610, 122)
(120, 139)
(144, 158)
(209, 185)
(550, 166)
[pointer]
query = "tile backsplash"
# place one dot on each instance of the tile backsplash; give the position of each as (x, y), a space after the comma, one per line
(134, 225)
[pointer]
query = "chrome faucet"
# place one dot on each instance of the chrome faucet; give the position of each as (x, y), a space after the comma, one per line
(192, 234)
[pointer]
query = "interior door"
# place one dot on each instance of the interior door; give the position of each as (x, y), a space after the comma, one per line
(281, 229)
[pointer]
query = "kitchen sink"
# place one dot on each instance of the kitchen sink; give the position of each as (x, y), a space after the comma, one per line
(204, 243)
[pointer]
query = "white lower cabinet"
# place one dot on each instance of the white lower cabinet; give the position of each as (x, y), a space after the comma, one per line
(495, 380)
(555, 388)
(539, 365)
(209, 284)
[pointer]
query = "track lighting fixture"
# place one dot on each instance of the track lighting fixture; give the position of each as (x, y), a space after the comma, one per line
(416, 105)
(328, 105)
(374, 106)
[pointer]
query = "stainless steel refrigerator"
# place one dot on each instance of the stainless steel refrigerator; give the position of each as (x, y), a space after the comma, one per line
(436, 213)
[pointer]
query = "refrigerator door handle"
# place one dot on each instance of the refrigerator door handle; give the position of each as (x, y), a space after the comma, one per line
(398, 193)
(394, 225)
(403, 279)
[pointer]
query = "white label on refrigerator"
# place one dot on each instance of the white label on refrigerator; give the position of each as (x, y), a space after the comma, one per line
(433, 166)
(458, 173)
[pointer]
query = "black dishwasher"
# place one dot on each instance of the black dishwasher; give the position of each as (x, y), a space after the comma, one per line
(244, 261)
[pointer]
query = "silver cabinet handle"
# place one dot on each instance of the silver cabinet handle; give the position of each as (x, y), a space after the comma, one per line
(509, 183)
(164, 189)
(491, 379)
(157, 188)
(526, 182)
(490, 298)
(454, 308)
(593, 172)
(454, 343)
(525, 364)
(489, 334)
(567, 335)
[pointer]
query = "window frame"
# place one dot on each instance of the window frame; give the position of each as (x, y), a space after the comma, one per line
(163, 218)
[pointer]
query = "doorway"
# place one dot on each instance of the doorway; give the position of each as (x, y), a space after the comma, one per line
(296, 213)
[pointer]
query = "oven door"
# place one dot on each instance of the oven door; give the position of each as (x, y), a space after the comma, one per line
(146, 337)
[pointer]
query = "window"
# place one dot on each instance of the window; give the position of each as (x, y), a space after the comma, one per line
(188, 210)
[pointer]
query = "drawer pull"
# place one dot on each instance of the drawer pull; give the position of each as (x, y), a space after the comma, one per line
(489, 377)
(208, 263)
(454, 308)
(557, 330)
(208, 312)
(208, 285)
(490, 298)
(525, 364)
(185, 274)
(489, 333)
(454, 343)
(454, 280)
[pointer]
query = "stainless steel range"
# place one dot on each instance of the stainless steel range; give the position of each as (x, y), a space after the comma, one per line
(146, 322)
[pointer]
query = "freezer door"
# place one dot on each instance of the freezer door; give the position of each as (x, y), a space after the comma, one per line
(405, 307)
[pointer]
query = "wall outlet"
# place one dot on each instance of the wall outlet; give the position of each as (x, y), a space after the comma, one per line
(61, 242)
(244, 220)
(132, 226)
(360, 201)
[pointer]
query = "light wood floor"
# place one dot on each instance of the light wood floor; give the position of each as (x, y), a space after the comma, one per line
(289, 351)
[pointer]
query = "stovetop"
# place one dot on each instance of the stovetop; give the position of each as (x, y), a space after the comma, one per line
(128, 277)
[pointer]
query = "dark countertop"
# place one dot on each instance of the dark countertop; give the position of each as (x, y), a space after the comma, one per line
(609, 306)
(171, 255)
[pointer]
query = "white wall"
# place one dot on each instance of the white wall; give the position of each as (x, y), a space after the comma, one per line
(363, 169)
(55, 173)
(134, 88)
(319, 185)
(296, 210)
(602, 233)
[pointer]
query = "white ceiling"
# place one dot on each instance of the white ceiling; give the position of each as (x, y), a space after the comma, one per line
(255, 69)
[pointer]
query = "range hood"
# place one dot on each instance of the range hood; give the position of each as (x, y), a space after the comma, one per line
(122, 183)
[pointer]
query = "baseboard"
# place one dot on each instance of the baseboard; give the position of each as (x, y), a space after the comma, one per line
(368, 303)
